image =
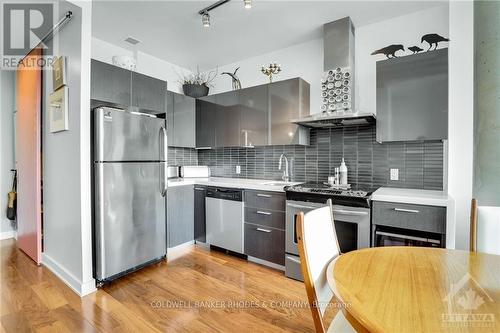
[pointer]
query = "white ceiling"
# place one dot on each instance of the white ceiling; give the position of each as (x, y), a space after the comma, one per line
(172, 30)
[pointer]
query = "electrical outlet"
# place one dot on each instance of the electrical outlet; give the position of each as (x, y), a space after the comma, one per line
(238, 169)
(394, 174)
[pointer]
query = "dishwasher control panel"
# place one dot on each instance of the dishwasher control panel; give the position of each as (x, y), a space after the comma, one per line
(225, 193)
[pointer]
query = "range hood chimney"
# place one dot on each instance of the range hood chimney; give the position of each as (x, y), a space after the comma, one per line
(338, 43)
(338, 86)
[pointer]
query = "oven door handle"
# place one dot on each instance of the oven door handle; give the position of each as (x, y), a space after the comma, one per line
(295, 260)
(300, 206)
(349, 212)
(421, 239)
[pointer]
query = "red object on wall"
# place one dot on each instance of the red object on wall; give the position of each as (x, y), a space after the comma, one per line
(28, 155)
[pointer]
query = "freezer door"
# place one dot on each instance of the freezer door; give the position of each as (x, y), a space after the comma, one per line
(127, 136)
(130, 216)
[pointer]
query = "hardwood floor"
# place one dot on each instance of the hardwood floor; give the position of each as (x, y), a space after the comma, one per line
(197, 291)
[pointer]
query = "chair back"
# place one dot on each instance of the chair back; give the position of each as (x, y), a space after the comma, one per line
(485, 229)
(318, 246)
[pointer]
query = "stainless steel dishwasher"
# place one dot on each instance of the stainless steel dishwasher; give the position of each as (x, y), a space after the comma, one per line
(224, 218)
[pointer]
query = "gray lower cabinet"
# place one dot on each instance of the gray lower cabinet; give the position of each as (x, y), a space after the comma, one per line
(200, 225)
(265, 243)
(410, 216)
(265, 226)
(148, 93)
(180, 215)
(110, 83)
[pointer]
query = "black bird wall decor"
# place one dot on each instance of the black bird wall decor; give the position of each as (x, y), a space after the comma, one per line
(433, 39)
(415, 49)
(389, 51)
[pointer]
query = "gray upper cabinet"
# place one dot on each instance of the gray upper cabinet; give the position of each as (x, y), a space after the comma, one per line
(184, 113)
(117, 86)
(227, 127)
(254, 120)
(110, 84)
(148, 93)
(412, 97)
(288, 99)
(206, 110)
(181, 119)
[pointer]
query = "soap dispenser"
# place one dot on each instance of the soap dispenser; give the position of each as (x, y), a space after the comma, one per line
(343, 173)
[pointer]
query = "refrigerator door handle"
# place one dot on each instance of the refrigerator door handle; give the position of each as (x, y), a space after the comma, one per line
(163, 160)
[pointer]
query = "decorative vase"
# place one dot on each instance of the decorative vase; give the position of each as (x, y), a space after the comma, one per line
(195, 90)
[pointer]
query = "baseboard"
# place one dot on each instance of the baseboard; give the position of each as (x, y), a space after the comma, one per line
(173, 251)
(266, 263)
(68, 278)
(8, 234)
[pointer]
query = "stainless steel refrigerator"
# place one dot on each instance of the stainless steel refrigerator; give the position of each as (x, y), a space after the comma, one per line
(129, 191)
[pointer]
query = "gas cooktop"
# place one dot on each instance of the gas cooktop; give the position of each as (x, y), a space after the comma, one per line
(312, 191)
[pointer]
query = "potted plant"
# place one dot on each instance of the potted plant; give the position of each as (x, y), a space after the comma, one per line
(198, 84)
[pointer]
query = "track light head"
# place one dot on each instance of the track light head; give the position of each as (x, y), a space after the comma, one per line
(248, 4)
(205, 20)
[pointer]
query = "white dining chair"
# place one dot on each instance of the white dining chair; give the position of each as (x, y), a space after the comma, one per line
(318, 246)
(484, 229)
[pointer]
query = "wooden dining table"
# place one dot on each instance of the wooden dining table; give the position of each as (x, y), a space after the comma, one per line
(417, 289)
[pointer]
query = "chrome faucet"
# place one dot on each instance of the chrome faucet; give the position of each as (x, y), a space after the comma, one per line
(286, 175)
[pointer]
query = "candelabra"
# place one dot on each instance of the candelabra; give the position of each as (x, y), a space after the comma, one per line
(270, 70)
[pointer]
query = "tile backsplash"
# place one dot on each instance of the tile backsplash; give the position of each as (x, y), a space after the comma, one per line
(420, 164)
(182, 156)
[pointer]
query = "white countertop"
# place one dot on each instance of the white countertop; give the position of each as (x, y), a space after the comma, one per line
(249, 184)
(412, 196)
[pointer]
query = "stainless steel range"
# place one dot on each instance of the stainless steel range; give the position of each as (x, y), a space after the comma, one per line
(351, 212)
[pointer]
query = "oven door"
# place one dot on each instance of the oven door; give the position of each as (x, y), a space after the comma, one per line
(292, 209)
(398, 237)
(352, 226)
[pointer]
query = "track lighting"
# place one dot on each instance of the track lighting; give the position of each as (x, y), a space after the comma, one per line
(205, 19)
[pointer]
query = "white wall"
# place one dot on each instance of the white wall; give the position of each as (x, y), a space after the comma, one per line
(7, 108)
(306, 60)
(460, 115)
(66, 161)
(303, 60)
(406, 30)
(146, 64)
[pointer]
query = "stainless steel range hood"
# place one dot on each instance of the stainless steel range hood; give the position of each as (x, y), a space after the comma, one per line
(338, 43)
(336, 119)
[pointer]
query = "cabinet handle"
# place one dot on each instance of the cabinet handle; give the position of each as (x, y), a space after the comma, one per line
(263, 195)
(406, 210)
(263, 230)
(263, 213)
(202, 148)
(199, 189)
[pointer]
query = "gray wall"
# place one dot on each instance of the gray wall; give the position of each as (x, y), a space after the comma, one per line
(7, 108)
(420, 164)
(486, 186)
(62, 224)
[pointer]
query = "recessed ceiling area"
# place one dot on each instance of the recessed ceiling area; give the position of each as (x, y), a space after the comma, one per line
(173, 31)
